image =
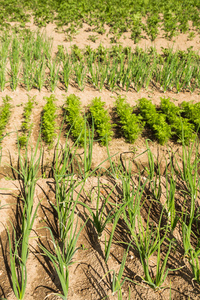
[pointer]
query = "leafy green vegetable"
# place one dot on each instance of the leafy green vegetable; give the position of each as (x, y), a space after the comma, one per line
(101, 120)
(4, 114)
(48, 120)
(26, 125)
(155, 120)
(74, 117)
(192, 112)
(131, 124)
(178, 124)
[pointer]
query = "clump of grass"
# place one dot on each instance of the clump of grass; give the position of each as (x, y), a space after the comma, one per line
(19, 248)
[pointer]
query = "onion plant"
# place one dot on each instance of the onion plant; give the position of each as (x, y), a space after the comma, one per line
(132, 198)
(80, 74)
(98, 71)
(86, 161)
(29, 68)
(113, 74)
(62, 257)
(116, 279)
(66, 72)
(171, 184)
(29, 62)
(154, 174)
(100, 218)
(188, 172)
(194, 262)
(148, 241)
(67, 198)
(15, 62)
(54, 69)
(4, 51)
(20, 249)
(39, 78)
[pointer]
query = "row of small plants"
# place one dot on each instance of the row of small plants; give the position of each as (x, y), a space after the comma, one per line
(32, 65)
(167, 121)
(19, 235)
(172, 17)
(149, 236)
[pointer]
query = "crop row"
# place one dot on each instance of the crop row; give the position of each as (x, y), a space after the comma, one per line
(167, 121)
(147, 236)
(171, 16)
(28, 61)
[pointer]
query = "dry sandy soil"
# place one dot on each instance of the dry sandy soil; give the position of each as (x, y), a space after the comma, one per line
(89, 277)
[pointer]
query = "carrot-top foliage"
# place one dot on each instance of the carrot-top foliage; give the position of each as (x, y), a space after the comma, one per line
(26, 124)
(102, 121)
(131, 124)
(5, 113)
(155, 120)
(74, 117)
(48, 120)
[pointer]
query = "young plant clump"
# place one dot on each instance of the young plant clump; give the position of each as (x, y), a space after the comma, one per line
(4, 114)
(48, 120)
(178, 124)
(192, 112)
(101, 120)
(26, 124)
(131, 124)
(156, 121)
(74, 117)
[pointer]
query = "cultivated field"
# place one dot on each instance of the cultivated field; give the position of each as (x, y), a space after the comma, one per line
(99, 161)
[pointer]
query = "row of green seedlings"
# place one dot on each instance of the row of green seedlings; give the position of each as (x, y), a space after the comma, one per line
(20, 236)
(169, 121)
(75, 120)
(33, 66)
(172, 17)
(148, 238)
(48, 124)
